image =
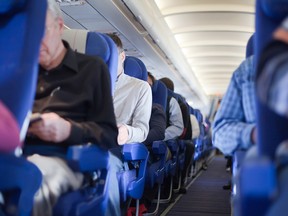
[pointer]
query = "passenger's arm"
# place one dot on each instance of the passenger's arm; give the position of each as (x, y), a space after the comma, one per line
(139, 128)
(230, 129)
(175, 120)
(51, 128)
(100, 127)
(157, 125)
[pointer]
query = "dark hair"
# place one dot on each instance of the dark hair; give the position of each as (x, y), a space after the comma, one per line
(151, 76)
(168, 83)
(116, 40)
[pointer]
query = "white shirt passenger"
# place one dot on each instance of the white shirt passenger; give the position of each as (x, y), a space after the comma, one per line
(176, 125)
(132, 106)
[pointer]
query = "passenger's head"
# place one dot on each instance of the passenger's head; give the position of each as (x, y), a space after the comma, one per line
(52, 46)
(168, 83)
(281, 33)
(121, 53)
(150, 79)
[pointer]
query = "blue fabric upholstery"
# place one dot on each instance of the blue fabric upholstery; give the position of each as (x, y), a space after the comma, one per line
(93, 198)
(156, 170)
(89, 158)
(269, 14)
(134, 152)
(95, 44)
(135, 67)
(20, 31)
(112, 62)
(103, 46)
(250, 46)
(258, 177)
(12, 6)
(159, 94)
(21, 177)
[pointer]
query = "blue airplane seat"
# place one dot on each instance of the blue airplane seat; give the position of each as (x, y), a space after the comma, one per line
(21, 29)
(89, 159)
(250, 46)
(132, 180)
(269, 16)
(159, 148)
(93, 196)
(19, 68)
(271, 89)
(135, 67)
(159, 94)
(180, 141)
(95, 44)
(156, 169)
(132, 183)
(199, 140)
(256, 196)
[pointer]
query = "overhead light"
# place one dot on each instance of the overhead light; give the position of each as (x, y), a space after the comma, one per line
(71, 2)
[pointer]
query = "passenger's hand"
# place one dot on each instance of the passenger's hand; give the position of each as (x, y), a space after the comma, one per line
(51, 128)
(122, 134)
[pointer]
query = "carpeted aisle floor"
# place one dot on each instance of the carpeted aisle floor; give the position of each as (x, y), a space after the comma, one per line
(205, 197)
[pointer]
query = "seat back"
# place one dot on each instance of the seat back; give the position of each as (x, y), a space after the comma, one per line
(250, 46)
(269, 14)
(159, 94)
(95, 44)
(258, 177)
(20, 31)
(271, 126)
(135, 67)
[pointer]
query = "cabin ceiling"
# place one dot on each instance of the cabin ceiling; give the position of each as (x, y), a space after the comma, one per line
(197, 43)
(212, 36)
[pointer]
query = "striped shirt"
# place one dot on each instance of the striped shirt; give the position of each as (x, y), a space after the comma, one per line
(236, 116)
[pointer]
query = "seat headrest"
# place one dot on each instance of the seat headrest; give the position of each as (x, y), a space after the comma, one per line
(95, 44)
(135, 67)
(8, 7)
(90, 43)
(159, 93)
(269, 14)
(144, 69)
(275, 9)
(250, 47)
(22, 26)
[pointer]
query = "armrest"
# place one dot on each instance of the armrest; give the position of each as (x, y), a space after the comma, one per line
(87, 158)
(136, 152)
(159, 148)
(18, 173)
(238, 158)
(173, 146)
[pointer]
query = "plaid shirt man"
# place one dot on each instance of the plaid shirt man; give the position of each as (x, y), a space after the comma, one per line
(236, 116)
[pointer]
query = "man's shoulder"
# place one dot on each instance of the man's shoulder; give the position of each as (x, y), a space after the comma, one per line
(246, 70)
(136, 82)
(87, 58)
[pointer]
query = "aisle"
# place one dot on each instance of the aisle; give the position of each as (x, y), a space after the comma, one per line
(205, 197)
